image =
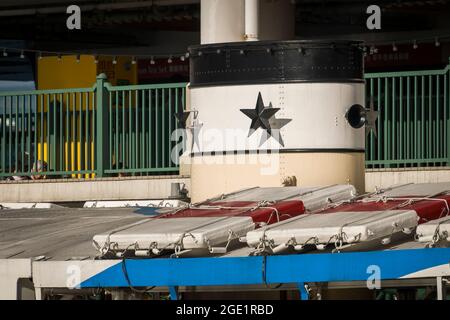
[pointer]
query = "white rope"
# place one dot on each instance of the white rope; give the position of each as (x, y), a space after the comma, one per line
(437, 236)
(231, 236)
(107, 244)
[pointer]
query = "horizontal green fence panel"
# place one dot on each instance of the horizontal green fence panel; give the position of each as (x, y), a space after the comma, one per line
(49, 131)
(58, 133)
(413, 121)
(140, 127)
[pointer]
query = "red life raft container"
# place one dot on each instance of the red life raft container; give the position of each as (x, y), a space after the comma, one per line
(430, 205)
(261, 213)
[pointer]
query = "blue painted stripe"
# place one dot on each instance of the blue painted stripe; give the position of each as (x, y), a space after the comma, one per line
(393, 264)
(148, 211)
(181, 272)
(275, 269)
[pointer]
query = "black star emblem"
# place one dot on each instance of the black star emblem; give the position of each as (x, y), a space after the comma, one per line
(182, 118)
(264, 118)
(260, 116)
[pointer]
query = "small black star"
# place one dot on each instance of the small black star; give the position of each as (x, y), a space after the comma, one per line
(260, 116)
(182, 118)
(276, 125)
(195, 130)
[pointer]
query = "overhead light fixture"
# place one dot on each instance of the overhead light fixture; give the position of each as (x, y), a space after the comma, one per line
(182, 58)
(218, 51)
(133, 60)
(114, 60)
(436, 42)
(5, 53)
(22, 55)
(169, 60)
(415, 45)
(394, 47)
(152, 61)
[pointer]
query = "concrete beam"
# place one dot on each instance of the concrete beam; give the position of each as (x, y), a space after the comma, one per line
(11, 270)
(127, 188)
(382, 178)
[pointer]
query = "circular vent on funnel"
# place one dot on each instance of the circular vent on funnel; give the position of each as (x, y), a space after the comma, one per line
(356, 116)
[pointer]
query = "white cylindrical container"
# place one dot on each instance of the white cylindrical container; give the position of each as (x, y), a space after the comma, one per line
(266, 111)
(221, 21)
(238, 20)
(251, 20)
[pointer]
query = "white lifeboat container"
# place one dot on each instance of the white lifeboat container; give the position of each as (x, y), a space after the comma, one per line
(435, 232)
(336, 229)
(373, 220)
(211, 227)
(193, 233)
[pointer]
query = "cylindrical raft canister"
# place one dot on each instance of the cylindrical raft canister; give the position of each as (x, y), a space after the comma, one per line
(265, 112)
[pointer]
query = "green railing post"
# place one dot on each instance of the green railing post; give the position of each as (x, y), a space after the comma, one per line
(102, 131)
(447, 112)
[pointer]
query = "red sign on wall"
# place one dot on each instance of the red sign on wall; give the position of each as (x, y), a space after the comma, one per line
(162, 70)
(406, 57)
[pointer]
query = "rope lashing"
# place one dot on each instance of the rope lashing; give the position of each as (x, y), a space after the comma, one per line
(107, 244)
(409, 201)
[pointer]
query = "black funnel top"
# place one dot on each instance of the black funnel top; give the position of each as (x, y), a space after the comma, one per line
(265, 62)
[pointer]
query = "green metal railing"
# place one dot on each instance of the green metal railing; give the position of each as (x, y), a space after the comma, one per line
(99, 131)
(413, 126)
(141, 121)
(51, 125)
